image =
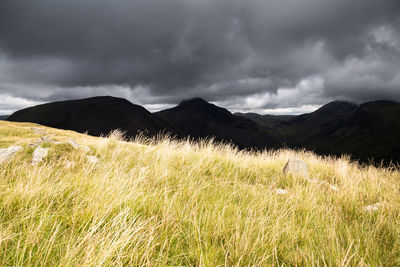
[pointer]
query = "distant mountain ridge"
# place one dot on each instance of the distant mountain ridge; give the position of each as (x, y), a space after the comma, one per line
(370, 131)
(198, 119)
(96, 115)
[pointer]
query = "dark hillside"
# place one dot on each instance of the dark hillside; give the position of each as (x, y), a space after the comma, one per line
(370, 131)
(97, 116)
(197, 118)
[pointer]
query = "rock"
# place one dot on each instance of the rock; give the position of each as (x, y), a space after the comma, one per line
(280, 191)
(334, 187)
(92, 159)
(73, 144)
(38, 155)
(33, 145)
(38, 130)
(8, 153)
(58, 143)
(46, 139)
(70, 164)
(296, 167)
(77, 146)
(41, 140)
(373, 207)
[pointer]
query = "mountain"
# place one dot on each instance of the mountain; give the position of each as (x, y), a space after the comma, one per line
(309, 130)
(97, 116)
(4, 117)
(197, 118)
(266, 121)
(370, 131)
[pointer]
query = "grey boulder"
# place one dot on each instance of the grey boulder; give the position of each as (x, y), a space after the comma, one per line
(38, 155)
(7, 153)
(296, 167)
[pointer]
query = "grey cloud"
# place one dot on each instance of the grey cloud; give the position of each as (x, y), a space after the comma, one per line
(228, 51)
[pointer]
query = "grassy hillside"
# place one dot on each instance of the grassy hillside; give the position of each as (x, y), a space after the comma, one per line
(177, 203)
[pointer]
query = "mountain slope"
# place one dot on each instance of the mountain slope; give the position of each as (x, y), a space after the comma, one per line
(97, 116)
(266, 121)
(371, 132)
(197, 118)
(4, 117)
(307, 130)
(367, 132)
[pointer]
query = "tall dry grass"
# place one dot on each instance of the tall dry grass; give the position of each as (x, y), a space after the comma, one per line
(178, 203)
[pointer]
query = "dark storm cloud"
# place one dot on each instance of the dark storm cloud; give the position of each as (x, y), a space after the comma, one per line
(244, 54)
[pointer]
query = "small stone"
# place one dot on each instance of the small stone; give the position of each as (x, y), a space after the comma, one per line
(92, 159)
(41, 140)
(38, 155)
(334, 187)
(296, 167)
(280, 191)
(373, 207)
(8, 153)
(77, 146)
(45, 139)
(73, 144)
(70, 164)
(31, 145)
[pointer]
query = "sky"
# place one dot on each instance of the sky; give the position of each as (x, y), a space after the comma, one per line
(265, 56)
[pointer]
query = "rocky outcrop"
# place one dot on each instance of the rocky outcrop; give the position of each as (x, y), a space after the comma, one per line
(7, 153)
(41, 140)
(38, 155)
(77, 146)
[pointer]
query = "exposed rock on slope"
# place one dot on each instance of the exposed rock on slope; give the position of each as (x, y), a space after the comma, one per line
(7, 153)
(38, 155)
(370, 131)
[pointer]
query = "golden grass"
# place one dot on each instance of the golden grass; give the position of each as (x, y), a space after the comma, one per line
(170, 203)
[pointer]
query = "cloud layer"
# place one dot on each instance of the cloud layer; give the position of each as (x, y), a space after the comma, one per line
(253, 54)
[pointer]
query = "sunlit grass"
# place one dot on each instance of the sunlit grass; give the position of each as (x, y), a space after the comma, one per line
(170, 203)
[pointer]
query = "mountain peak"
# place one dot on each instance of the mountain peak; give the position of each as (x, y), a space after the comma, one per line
(97, 115)
(106, 98)
(338, 104)
(336, 107)
(201, 106)
(194, 101)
